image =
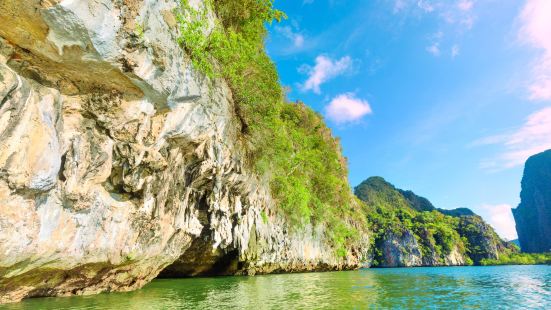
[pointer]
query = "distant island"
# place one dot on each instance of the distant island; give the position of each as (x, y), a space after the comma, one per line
(410, 231)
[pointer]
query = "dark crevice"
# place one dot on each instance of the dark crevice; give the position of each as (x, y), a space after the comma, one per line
(244, 126)
(61, 175)
(8, 95)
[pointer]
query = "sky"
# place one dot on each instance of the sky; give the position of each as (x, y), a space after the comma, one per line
(447, 98)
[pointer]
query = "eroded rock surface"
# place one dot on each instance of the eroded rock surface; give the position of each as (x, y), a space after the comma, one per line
(118, 160)
(404, 250)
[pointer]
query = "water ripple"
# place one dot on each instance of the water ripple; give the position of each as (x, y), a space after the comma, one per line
(499, 287)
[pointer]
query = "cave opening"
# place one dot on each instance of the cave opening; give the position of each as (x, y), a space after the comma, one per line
(200, 259)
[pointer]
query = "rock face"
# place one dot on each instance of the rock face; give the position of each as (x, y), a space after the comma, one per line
(533, 215)
(482, 240)
(404, 250)
(400, 250)
(119, 161)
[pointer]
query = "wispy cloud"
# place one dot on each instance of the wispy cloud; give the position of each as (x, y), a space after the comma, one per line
(455, 17)
(399, 5)
(535, 30)
(437, 35)
(324, 70)
(465, 5)
(501, 218)
(346, 108)
(434, 49)
(295, 37)
(533, 137)
(455, 51)
(425, 5)
(461, 14)
(452, 12)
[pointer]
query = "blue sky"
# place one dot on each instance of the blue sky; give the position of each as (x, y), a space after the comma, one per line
(446, 98)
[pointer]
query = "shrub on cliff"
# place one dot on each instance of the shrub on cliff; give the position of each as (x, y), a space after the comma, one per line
(519, 259)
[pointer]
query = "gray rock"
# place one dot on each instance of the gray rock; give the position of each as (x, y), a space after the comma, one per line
(402, 249)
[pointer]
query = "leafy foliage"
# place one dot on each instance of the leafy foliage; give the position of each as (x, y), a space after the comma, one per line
(416, 202)
(375, 191)
(287, 143)
(458, 212)
(519, 259)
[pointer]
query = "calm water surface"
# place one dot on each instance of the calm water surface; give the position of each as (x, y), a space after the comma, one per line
(500, 287)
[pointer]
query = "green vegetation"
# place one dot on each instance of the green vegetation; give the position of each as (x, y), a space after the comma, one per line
(264, 217)
(416, 202)
(286, 143)
(423, 204)
(519, 259)
(139, 31)
(391, 210)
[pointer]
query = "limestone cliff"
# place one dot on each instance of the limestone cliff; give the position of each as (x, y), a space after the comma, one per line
(118, 160)
(533, 215)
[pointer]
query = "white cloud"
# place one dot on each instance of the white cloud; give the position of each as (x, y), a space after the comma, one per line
(465, 5)
(536, 23)
(298, 40)
(533, 137)
(501, 218)
(346, 108)
(295, 37)
(455, 51)
(462, 14)
(425, 6)
(437, 35)
(434, 49)
(535, 30)
(324, 70)
(399, 5)
(458, 12)
(435, 39)
(468, 22)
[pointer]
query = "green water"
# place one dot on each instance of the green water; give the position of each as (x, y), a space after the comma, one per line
(499, 287)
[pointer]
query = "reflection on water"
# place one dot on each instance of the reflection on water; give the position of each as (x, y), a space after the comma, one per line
(500, 287)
